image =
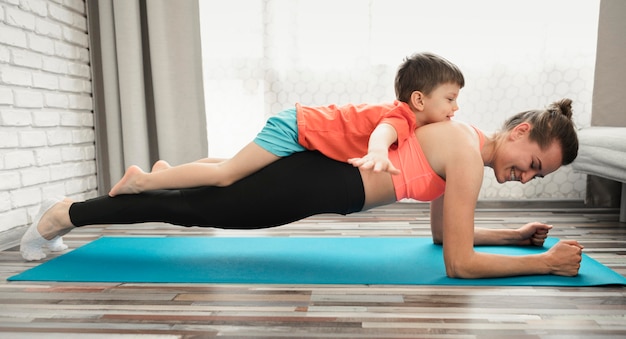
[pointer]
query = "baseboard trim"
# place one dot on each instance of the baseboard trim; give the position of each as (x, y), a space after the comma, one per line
(12, 237)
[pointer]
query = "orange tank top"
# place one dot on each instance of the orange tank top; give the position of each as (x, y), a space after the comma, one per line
(417, 179)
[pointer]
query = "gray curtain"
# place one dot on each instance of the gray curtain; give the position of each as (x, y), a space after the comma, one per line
(608, 88)
(608, 92)
(147, 84)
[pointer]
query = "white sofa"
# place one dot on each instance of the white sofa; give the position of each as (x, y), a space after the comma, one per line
(602, 152)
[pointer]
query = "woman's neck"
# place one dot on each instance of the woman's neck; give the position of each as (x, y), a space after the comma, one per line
(488, 152)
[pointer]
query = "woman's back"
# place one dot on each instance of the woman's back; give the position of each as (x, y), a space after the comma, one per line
(443, 144)
(423, 161)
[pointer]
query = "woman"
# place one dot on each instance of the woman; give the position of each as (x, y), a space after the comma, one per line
(444, 164)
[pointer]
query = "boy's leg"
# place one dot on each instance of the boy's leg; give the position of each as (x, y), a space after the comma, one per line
(278, 138)
(248, 160)
(162, 164)
(195, 174)
(211, 160)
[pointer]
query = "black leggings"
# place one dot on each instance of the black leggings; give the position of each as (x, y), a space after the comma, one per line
(290, 189)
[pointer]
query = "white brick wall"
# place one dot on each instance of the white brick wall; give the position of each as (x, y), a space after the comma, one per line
(46, 116)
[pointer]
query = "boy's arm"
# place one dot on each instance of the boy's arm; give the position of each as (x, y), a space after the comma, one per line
(377, 157)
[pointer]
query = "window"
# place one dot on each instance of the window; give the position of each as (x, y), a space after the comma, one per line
(262, 56)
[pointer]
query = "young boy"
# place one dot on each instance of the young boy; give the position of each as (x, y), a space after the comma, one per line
(426, 87)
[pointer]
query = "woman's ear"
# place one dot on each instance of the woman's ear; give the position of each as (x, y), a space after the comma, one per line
(417, 100)
(521, 130)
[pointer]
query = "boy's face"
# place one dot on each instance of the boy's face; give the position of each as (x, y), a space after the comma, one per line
(440, 105)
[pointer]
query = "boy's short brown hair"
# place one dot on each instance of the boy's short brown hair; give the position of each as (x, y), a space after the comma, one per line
(424, 72)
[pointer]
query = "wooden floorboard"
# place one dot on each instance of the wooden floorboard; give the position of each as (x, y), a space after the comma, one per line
(93, 310)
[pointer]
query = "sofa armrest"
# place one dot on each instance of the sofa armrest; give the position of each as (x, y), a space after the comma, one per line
(602, 152)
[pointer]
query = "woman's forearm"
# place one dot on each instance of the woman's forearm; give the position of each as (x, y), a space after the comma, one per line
(561, 259)
(486, 265)
(486, 236)
(533, 233)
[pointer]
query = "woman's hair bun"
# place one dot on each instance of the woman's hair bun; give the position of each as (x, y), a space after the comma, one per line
(563, 106)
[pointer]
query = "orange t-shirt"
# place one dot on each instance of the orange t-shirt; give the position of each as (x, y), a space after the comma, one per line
(343, 132)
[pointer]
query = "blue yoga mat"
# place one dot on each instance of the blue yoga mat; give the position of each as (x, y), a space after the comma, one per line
(268, 260)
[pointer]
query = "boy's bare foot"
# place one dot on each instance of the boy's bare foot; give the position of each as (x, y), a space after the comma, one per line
(160, 165)
(128, 184)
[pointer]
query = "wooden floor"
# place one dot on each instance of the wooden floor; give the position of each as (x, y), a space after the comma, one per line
(68, 310)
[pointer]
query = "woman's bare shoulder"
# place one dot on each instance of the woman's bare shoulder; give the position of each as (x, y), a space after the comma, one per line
(449, 143)
(451, 131)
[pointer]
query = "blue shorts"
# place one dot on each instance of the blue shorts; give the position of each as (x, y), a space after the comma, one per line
(279, 136)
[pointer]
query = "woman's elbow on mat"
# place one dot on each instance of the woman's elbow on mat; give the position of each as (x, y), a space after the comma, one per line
(462, 267)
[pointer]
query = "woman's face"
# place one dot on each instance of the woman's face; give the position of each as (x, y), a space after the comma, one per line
(519, 159)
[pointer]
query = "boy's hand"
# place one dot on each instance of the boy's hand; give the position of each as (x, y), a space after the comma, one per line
(377, 162)
(377, 157)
